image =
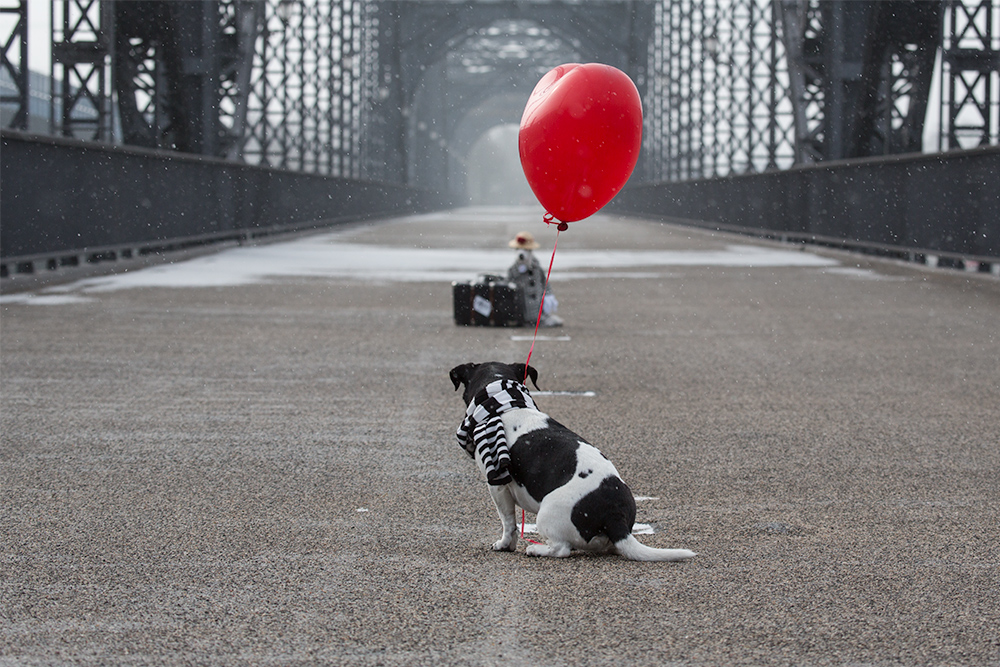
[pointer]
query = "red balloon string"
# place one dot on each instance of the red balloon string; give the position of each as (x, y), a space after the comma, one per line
(522, 529)
(560, 227)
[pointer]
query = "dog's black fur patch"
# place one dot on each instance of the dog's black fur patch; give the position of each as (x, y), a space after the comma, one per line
(607, 510)
(543, 460)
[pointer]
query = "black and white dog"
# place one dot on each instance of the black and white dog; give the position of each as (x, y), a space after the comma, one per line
(533, 461)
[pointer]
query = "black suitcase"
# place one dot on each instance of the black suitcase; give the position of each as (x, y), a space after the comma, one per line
(490, 301)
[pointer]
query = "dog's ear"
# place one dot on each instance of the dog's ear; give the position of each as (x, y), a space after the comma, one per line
(460, 374)
(524, 372)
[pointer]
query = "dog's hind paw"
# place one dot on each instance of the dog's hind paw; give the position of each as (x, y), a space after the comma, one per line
(551, 550)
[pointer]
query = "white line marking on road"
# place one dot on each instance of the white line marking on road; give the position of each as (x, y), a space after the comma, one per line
(637, 529)
(519, 337)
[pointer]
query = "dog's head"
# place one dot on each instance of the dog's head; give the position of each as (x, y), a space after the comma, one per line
(475, 377)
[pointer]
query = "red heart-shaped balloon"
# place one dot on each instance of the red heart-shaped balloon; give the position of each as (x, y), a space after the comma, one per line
(580, 136)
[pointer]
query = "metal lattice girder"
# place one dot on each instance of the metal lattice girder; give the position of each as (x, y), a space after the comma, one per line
(182, 72)
(860, 74)
(899, 73)
(305, 106)
(14, 62)
(718, 90)
(752, 85)
(140, 77)
(970, 114)
(81, 62)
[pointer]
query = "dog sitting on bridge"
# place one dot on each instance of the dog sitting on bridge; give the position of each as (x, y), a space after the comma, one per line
(531, 460)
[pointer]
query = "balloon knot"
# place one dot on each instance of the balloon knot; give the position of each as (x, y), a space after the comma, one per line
(550, 219)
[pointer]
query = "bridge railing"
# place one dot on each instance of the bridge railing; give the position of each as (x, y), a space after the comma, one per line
(67, 201)
(941, 209)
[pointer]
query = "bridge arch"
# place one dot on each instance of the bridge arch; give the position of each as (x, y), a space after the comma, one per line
(464, 69)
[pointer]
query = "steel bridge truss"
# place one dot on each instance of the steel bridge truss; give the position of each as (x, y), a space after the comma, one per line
(344, 87)
(970, 75)
(81, 69)
(14, 63)
(718, 98)
(308, 98)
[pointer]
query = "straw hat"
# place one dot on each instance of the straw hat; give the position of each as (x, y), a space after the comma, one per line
(524, 241)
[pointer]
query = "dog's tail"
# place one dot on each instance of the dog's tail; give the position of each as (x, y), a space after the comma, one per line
(633, 549)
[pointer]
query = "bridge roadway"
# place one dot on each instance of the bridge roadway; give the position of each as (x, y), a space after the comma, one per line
(249, 457)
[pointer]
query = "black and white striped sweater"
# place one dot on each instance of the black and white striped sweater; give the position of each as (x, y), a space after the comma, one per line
(482, 430)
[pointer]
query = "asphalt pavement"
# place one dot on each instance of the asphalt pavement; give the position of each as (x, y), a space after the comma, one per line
(264, 471)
